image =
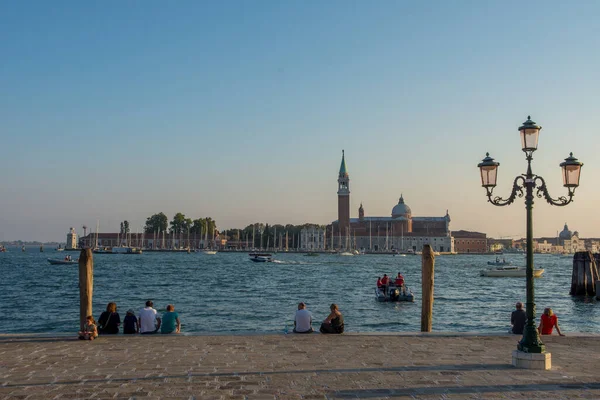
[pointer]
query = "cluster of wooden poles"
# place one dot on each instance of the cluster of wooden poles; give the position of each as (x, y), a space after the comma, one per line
(585, 280)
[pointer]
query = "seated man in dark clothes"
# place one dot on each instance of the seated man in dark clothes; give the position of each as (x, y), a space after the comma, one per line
(130, 324)
(518, 318)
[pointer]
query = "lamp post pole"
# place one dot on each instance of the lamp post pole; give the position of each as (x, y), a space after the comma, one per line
(531, 342)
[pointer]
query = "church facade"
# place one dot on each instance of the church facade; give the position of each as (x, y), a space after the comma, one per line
(401, 231)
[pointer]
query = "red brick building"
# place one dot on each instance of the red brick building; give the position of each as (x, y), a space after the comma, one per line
(470, 242)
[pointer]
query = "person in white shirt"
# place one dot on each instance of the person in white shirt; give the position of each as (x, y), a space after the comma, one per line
(148, 319)
(303, 320)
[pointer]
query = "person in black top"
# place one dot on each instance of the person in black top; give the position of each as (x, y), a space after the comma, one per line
(130, 324)
(518, 318)
(334, 323)
(109, 320)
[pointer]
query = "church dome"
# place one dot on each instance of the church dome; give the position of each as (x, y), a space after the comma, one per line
(565, 234)
(401, 209)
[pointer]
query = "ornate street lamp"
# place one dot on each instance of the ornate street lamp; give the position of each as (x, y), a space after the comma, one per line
(531, 342)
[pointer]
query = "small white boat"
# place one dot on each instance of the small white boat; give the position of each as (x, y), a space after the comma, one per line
(126, 250)
(261, 257)
(62, 262)
(209, 252)
(510, 272)
(346, 253)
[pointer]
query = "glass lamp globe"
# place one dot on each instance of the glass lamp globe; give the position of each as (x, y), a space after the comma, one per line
(530, 133)
(571, 171)
(489, 171)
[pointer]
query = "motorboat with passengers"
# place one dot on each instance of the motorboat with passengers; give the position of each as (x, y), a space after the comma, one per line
(261, 257)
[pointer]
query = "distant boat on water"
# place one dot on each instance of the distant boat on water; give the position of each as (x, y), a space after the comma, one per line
(62, 262)
(118, 250)
(261, 257)
(510, 272)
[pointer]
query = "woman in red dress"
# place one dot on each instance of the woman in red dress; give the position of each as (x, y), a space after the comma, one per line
(547, 322)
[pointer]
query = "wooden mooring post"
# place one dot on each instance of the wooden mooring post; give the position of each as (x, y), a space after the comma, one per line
(427, 274)
(585, 274)
(86, 284)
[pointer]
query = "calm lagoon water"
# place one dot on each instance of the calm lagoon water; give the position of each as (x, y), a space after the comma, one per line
(227, 292)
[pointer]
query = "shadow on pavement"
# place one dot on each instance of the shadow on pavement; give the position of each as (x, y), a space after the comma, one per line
(449, 390)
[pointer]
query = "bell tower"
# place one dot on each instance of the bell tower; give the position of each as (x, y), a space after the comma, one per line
(343, 198)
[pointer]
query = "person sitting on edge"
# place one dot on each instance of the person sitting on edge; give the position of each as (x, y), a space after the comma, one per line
(518, 318)
(385, 283)
(379, 284)
(334, 323)
(89, 332)
(303, 320)
(170, 321)
(400, 282)
(109, 320)
(148, 320)
(547, 322)
(130, 323)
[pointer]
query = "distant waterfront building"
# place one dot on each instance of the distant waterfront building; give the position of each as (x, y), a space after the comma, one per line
(470, 242)
(398, 232)
(312, 239)
(71, 239)
(564, 242)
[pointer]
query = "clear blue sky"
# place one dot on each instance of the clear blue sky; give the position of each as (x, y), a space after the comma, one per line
(239, 110)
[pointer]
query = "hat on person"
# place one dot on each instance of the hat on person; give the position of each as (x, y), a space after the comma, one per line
(130, 311)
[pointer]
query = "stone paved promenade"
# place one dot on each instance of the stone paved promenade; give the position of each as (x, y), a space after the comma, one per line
(292, 367)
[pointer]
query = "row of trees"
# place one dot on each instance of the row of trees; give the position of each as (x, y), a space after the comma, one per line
(180, 225)
(263, 234)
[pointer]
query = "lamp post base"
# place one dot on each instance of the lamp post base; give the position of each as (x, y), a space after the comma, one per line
(524, 360)
(531, 341)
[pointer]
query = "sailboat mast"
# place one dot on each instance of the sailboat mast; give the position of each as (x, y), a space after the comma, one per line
(331, 237)
(387, 237)
(97, 227)
(402, 233)
(370, 239)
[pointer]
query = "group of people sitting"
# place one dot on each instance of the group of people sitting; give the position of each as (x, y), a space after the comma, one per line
(383, 284)
(334, 323)
(147, 322)
(548, 321)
